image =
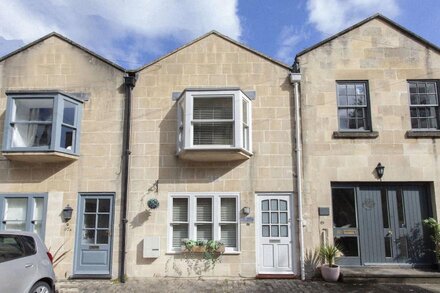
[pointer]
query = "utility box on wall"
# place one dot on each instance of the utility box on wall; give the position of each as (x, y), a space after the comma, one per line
(151, 247)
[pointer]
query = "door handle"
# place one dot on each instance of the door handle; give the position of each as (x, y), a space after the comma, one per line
(28, 265)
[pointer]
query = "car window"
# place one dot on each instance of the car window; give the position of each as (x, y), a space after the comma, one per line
(29, 245)
(10, 248)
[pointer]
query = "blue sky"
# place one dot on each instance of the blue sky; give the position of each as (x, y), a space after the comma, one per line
(132, 33)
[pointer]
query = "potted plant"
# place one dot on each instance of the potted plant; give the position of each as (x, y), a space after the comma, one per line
(329, 271)
(434, 226)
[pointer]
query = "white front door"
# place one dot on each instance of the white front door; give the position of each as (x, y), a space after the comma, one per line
(274, 234)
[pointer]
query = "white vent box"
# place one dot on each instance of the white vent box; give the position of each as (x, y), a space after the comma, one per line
(152, 247)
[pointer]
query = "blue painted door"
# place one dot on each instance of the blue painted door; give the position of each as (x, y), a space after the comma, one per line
(94, 235)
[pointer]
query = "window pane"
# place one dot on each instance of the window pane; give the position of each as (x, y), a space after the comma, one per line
(265, 218)
(421, 88)
(274, 204)
(10, 248)
(38, 208)
(351, 89)
(228, 210)
(69, 113)
(29, 245)
(204, 232)
(414, 99)
(204, 209)
(412, 87)
(388, 250)
(401, 208)
(283, 205)
(90, 205)
(15, 214)
(104, 205)
(31, 135)
(67, 137)
(344, 212)
(103, 221)
(275, 232)
(245, 111)
(102, 236)
(384, 201)
(283, 218)
(342, 89)
(430, 87)
(266, 231)
(265, 205)
(212, 108)
(213, 133)
(284, 231)
(229, 235)
(180, 232)
(180, 210)
(33, 110)
(88, 237)
(89, 220)
(348, 245)
(274, 218)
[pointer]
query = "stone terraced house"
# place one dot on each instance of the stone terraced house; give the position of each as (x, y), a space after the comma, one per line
(120, 168)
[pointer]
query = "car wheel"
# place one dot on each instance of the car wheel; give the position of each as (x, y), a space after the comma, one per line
(41, 287)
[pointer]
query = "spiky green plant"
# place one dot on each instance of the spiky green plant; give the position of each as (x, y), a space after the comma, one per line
(328, 253)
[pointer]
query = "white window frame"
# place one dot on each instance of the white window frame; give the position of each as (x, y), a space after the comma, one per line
(185, 121)
(192, 217)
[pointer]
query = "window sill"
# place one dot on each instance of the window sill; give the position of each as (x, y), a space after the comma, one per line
(39, 157)
(422, 134)
(214, 155)
(355, 134)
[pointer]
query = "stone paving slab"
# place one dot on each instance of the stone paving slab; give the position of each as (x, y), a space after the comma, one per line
(182, 285)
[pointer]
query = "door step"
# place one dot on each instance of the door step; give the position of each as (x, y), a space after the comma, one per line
(390, 275)
(276, 276)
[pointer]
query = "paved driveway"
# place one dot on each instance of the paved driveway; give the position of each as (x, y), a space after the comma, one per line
(234, 285)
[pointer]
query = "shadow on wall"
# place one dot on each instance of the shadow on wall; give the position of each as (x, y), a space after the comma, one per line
(140, 219)
(172, 170)
(25, 172)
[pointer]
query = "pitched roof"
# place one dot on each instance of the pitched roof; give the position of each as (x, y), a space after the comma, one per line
(395, 25)
(54, 34)
(216, 33)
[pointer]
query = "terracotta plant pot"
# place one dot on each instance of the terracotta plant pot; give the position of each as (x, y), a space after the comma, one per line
(330, 274)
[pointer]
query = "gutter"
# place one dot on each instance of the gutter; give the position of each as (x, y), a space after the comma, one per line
(129, 82)
(295, 79)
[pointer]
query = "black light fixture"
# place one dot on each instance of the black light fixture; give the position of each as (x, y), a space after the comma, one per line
(67, 213)
(380, 170)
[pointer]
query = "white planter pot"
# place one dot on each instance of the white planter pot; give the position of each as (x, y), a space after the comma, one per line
(330, 274)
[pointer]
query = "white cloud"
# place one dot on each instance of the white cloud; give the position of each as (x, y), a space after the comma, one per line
(331, 16)
(287, 41)
(118, 28)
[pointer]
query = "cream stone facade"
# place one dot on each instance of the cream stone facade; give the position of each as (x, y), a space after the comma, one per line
(211, 62)
(54, 63)
(386, 56)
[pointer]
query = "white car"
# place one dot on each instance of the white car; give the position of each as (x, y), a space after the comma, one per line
(25, 264)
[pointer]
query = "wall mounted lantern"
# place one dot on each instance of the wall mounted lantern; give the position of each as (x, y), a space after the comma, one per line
(246, 211)
(380, 170)
(67, 213)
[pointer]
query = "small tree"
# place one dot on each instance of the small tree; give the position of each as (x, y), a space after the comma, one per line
(432, 224)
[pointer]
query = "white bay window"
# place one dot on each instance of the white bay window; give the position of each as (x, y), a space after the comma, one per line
(204, 216)
(214, 125)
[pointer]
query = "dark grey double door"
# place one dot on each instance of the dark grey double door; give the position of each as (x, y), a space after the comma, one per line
(388, 226)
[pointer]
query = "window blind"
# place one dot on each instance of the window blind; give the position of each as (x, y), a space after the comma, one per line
(228, 235)
(204, 209)
(213, 133)
(204, 232)
(180, 210)
(228, 211)
(180, 232)
(212, 108)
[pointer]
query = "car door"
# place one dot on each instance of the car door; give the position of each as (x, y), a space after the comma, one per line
(17, 265)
